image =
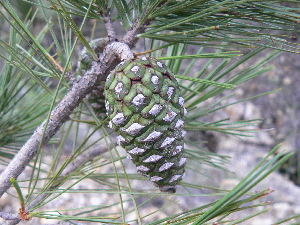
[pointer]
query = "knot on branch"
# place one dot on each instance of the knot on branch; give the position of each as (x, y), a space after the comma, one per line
(121, 50)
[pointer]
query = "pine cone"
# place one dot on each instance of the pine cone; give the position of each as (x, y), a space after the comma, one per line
(145, 108)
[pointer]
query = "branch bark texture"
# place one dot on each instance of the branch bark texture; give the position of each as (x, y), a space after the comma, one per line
(9, 216)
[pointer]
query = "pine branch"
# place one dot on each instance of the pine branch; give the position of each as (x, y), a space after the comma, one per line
(80, 161)
(109, 27)
(64, 108)
(111, 56)
(59, 223)
(131, 36)
(181, 31)
(9, 216)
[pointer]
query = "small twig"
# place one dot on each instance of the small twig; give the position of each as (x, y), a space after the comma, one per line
(131, 36)
(109, 26)
(59, 223)
(84, 158)
(80, 161)
(9, 216)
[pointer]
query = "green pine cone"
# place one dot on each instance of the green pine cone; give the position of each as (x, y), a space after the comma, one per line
(145, 108)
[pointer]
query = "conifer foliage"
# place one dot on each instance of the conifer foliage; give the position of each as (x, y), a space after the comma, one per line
(61, 106)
